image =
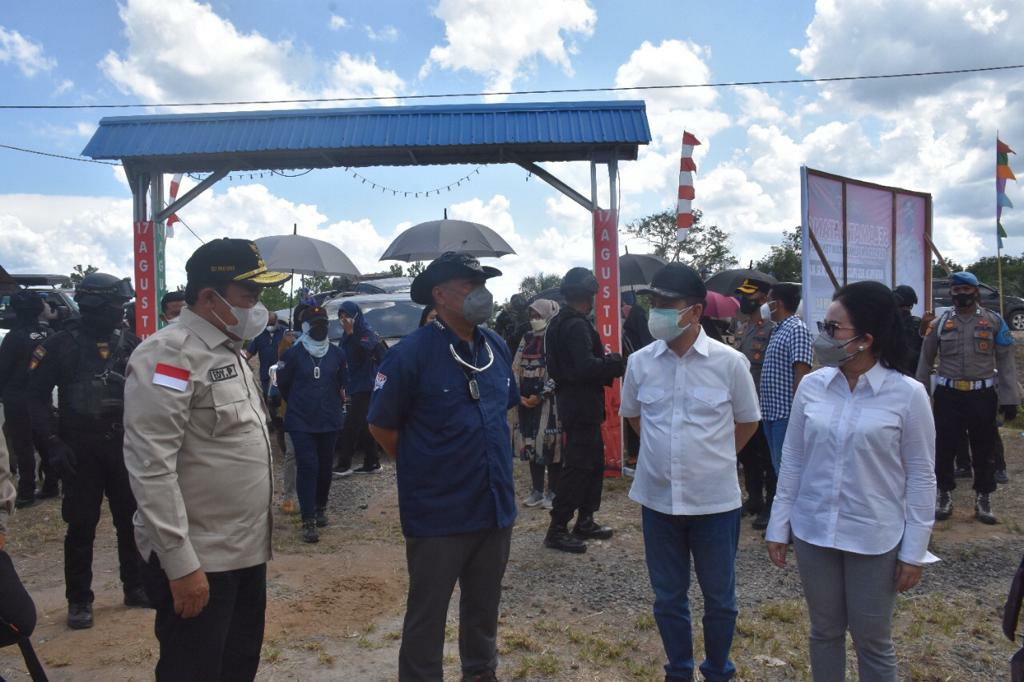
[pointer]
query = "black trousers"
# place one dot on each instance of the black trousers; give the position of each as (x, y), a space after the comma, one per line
(963, 452)
(477, 561)
(537, 475)
(16, 607)
(355, 435)
(579, 488)
(758, 473)
(223, 642)
(975, 413)
(23, 446)
(100, 471)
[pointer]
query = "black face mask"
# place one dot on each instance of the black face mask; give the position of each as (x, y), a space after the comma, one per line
(963, 300)
(748, 305)
(102, 318)
(318, 333)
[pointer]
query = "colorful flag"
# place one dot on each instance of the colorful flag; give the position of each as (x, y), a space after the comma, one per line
(173, 218)
(1003, 173)
(684, 213)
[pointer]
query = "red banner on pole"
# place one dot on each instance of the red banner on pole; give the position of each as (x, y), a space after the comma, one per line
(609, 323)
(146, 303)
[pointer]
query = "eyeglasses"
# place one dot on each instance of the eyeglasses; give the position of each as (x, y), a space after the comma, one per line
(829, 327)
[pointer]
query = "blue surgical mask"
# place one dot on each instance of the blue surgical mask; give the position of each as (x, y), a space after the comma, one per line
(663, 323)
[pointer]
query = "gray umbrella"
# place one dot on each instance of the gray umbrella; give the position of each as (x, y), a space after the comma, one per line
(429, 240)
(304, 255)
(637, 269)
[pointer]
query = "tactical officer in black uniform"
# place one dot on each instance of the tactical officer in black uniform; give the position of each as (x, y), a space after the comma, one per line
(15, 356)
(87, 364)
(580, 369)
(906, 299)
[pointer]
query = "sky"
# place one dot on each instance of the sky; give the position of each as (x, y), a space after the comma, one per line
(934, 134)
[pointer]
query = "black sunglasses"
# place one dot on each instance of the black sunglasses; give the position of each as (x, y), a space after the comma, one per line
(829, 327)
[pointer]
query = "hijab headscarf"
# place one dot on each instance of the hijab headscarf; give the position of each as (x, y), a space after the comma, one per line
(544, 307)
(355, 313)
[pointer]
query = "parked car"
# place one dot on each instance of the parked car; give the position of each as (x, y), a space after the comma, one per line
(56, 289)
(1013, 306)
(392, 316)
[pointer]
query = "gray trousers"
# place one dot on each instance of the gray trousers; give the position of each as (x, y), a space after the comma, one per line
(477, 561)
(289, 468)
(849, 591)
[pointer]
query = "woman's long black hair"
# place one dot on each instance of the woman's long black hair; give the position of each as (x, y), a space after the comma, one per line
(873, 310)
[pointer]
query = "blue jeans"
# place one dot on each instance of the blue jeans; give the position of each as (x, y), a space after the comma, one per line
(314, 455)
(711, 539)
(775, 432)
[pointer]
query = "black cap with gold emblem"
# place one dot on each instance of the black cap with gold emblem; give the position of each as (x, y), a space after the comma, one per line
(231, 260)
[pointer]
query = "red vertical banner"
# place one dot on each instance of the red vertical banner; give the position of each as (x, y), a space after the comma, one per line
(146, 303)
(609, 324)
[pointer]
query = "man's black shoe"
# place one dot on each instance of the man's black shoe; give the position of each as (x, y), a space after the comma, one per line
(22, 502)
(983, 509)
(761, 522)
(487, 676)
(137, 597)
(562, 540)
(309, 532)
(321, 517)
(588, 529)
(1001, 477)
(944, 505)
(79, 616)
(963, 472)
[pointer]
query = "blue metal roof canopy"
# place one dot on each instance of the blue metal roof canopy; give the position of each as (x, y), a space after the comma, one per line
(375, 136)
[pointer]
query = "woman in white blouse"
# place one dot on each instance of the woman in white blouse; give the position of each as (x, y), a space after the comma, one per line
(856, 490)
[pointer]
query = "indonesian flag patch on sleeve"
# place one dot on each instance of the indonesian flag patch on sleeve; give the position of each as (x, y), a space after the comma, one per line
(170, 376)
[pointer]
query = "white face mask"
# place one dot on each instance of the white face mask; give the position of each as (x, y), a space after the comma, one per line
(766, 312)
(538, 325)
(173, 320)
(251, 321)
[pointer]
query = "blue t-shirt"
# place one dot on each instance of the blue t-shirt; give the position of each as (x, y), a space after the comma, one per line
(454, 452)
(314, 404)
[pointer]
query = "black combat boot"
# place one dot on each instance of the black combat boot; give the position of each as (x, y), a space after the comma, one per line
(983, 509)
(560, 538)
(944, 505)
(79, 615)
(321, 517)
(309, 531)
(588, 529)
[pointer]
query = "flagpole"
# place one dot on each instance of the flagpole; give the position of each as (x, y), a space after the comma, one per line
(999, 239)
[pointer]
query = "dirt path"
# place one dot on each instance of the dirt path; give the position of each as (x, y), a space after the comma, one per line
(335, 609)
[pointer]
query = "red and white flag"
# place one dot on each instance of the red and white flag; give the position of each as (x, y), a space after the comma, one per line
(173, 218)
(684, 210)
(171, 376)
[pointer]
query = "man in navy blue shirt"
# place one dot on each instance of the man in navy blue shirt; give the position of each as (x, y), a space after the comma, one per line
(265, 346)
(439, 405)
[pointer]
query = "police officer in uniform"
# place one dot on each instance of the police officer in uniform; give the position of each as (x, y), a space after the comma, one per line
(973, 344)
(581, 370)
(15, 358)
(86, 363)
(758, 472)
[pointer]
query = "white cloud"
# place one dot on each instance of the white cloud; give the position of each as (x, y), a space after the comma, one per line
(23, 53)
(336, 22)
(186, 52)
(756, 105)
(387, 34)
(502, 41)
(62, 87)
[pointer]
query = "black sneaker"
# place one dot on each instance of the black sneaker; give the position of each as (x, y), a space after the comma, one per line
(321, 517)
(375, 469)
(1001, 477)
(963, 472)
(137, 598)
(588, 529)
(79, 616)
(309, 532)
(22, 502)
(761, 522)
(561, 539)
(944, 505)
(983, 509)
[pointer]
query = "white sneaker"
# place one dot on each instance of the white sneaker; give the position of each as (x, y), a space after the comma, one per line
(535, 498)
(342, 474)
(549, 500)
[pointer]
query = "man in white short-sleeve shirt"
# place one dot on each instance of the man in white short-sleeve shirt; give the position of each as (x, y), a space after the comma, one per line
(693, 402)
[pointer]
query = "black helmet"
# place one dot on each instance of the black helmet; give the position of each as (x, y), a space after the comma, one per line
(905, 295)
(112, 289)
(27, 303)
(578, 283)
(518, 302)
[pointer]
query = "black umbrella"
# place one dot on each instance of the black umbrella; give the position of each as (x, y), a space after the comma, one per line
(726, 281)
(637, 269)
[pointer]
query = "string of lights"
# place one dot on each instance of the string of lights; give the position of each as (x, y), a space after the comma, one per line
(414, 193)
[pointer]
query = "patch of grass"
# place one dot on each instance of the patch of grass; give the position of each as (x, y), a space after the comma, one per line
(532, 667)
(270, 654)
(393, 636)
(782, 611)
(324, 658)
(644, 622)
(643, 670)
(365, 642)
(513, 640)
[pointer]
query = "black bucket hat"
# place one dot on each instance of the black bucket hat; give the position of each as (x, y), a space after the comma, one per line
(446, 267)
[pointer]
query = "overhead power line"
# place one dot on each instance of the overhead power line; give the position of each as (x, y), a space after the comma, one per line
(508, 93)
(57, 156)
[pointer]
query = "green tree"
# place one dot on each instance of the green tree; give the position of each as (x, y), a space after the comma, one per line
(415, 268)
(784, 262)
(79, 273)
(987, 270)
(706, 248)
(534, 284)
(316, 283)
(940, 272)
(396, 270)
(276, 298)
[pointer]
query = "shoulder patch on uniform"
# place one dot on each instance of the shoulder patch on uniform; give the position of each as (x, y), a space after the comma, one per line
(171, 377)
(37, 355)
(379, 381)
(223, 373)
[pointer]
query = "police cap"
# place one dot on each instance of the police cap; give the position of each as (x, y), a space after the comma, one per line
(967, 278)
(446, 267)
(222, 261)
